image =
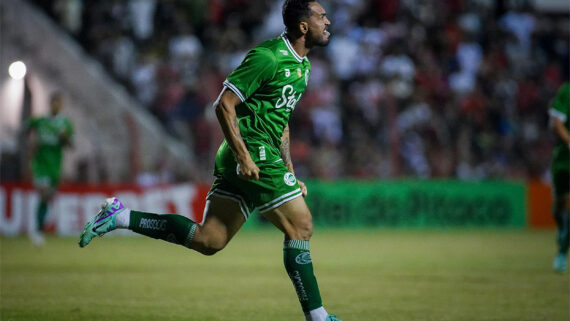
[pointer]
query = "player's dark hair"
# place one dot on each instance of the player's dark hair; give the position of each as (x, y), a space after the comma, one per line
(294, 11)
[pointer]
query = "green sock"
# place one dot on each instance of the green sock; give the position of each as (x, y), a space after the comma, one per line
(299, 266)
(172, 228)
(41, 215)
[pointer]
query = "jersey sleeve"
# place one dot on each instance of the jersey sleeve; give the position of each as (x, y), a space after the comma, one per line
(560, 105)
(258, 66)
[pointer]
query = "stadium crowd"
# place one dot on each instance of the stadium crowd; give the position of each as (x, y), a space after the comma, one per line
(430, 89)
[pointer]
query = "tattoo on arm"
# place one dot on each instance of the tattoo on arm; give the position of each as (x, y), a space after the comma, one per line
(236, 126)
(286, 150)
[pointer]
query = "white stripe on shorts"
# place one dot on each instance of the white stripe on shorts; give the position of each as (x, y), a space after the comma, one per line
(234, 197)
(280, 200)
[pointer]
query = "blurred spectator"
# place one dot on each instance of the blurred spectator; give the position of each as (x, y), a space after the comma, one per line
(69, 13)
(142, 14)
(455, 88)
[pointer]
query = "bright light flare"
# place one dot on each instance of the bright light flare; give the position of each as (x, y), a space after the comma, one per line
(17, 70)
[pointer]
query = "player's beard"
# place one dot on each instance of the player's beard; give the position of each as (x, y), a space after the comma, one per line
(321, 39)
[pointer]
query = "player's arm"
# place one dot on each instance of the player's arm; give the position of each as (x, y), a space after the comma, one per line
(65, 138)
(226, 112)
(29, 132)
(258, 66)
(29, 126)
(286, 156)
(559, 113)
(286, 150)
(560, 130)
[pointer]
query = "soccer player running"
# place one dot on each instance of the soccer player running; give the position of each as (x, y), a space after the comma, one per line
(561, 175)
(253, 168)
(52, 134)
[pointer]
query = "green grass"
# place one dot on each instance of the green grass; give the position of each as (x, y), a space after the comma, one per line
(363, 274)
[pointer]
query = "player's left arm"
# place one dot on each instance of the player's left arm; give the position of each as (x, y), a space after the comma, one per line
(286, 155)
(561, 131)
(66, 135)
(29, 130)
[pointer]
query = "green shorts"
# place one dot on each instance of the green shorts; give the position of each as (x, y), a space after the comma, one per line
(46, 166)
(276, 184)
(45, 178)
(560, 182)
(560, 169)
(45, 181)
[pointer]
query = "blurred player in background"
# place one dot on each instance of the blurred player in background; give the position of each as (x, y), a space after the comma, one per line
(561, 175)
(52, 134)
(253, 167)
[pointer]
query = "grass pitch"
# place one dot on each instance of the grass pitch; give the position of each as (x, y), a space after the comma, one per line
(363, 275)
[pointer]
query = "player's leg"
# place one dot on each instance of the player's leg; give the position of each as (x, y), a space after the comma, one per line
(561, 214)
(223, 218)
(294, 219)
(46, 193)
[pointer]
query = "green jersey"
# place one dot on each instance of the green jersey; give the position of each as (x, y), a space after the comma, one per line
(559, 109)
(270, 81)
(51, 135)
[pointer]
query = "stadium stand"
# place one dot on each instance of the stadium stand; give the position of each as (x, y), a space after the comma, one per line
(405, 88)
(107, 120)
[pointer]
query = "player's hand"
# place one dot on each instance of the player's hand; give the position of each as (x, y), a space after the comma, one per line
(303, 187)
(247, 170)
(65, 138)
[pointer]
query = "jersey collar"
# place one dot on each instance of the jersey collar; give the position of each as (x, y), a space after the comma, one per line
(291, 49)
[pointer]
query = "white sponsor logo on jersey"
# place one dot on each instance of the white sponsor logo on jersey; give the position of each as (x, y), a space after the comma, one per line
(288, 98)
(262, 155)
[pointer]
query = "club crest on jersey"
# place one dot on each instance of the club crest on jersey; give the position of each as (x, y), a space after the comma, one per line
(289, 179)
(289, 98)
(299, 73)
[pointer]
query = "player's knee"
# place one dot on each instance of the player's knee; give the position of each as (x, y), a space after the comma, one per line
(209, 251)
(212, 246)
(46, 194)
(303, 229)
(307, 230)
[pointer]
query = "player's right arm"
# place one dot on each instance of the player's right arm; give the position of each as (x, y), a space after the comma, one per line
(226, 112)
(258, 66)
(559, 114)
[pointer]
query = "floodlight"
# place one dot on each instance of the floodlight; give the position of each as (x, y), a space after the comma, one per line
(17, 70)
